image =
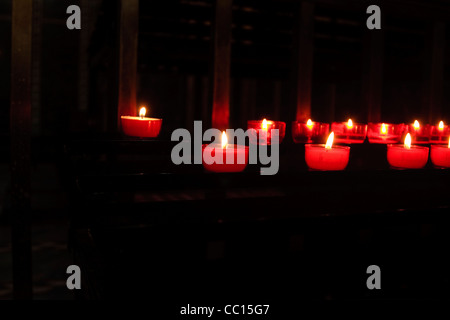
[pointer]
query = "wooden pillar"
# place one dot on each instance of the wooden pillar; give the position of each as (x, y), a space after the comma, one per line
(372, 77)
(221, 64)
(20, 124)
(304, 48)
(434, 73)
(128, 45)
(38, 17)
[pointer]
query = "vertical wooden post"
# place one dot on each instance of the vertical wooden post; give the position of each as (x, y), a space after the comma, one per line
(38, 15)
(434, 83)
(372, 77)
(128, 45)
(221, 64)
(20, 124)
(304, 46)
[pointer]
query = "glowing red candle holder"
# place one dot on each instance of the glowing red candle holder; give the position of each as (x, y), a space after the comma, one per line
(326, 156)
(439, 133)
(309, 132)
(142, 127)
(407, 156)
(257, 126)
(440, 155)
(385, 132)
(349, 132)
(224, 157)
(420, 134)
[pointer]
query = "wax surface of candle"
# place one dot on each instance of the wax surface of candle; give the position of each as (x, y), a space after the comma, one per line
(309, 132)
(349, 132)
(407, 156)
(141, 126)
(440, 155)
(224, 157)
(264, 132)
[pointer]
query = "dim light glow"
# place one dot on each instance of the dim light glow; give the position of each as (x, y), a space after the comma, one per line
(309, 124)
(449, 142)
(224, 139)
(408, 141)
(441, 125)
(142, 112)
(264, 124)
(330, 139)
(350, 123)
(416, 125)
(383, 128)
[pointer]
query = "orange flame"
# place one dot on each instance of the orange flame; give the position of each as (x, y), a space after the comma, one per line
(441, 125)
(309, 123)
(383, 128)
(350, 124)
(142, 112)
(330, 139)
(449, 142)
(416, 125)
(224, 139)
(408, 141)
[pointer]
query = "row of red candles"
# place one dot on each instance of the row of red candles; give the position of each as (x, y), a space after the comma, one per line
(309, 132)
(325, 156)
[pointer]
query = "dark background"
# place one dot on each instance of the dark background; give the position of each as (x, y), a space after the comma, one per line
(75, 69)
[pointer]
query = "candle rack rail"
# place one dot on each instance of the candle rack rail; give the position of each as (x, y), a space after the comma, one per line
(150, 224)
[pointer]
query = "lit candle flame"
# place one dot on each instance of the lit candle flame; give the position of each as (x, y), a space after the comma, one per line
(142, 112)
(441, 125)
(264, 124)
(416, 125)
(383, 128)
(330, 141)
(449, 142)
(350, 123)
(309, 123)
(224, 140)
(408, 141)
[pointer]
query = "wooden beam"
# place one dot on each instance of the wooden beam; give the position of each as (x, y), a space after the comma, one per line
(128, 45)
(304, 47)
(372, 77)
(21, 47)
(434, 83)
(221, 64)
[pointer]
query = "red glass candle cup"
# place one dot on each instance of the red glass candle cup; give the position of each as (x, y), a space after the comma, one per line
(210, 152)
(440, 156)
(142, 127)
(419, 135)
(316, 132)
(439, 135)
(385, 132)
(257, 136)
(343, 133)
(401, 157)
(318, 157)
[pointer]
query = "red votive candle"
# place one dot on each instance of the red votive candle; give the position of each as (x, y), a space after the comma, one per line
(420, 134)
(141, 126)
(407, 156)
(265, 138)
(439, 133)
(309, 132)
(326, 157)
(440, 155)
(224, 157)
(349, 132)
(385, 132)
